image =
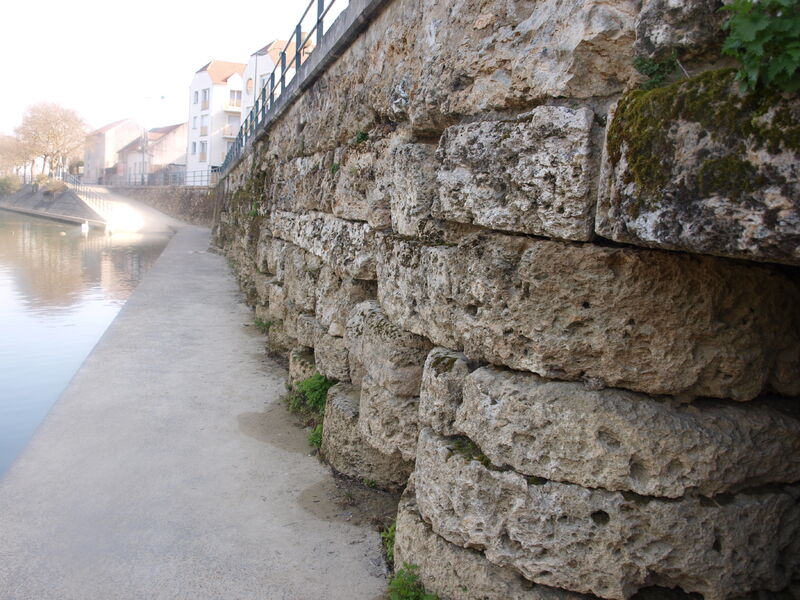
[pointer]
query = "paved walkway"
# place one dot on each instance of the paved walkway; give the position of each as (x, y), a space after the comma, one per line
(148, 480)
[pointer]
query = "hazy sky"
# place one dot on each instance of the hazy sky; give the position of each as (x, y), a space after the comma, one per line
(112, 60)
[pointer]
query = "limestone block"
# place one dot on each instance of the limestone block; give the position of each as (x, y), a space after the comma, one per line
(346, 451)
(276, 257)
(301, 183)
(262, 312)
(441, 390)
(413, 186)
(455, 573)
(300, 278)
(609, 543)
(479, 57)
(387, 421)
(305, 330)
(263, 249)
(393, 358)
(534, 175)
(278, 341)
(650, 321)
(699, 166)
(618, 440)
(348, 247)
(336, 296)
(261, 282)
(331, 356)
(355, 177)
(691, 26)
(301, 364)
(277, 301)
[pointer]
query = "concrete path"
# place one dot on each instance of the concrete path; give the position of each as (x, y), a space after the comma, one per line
(149, 478)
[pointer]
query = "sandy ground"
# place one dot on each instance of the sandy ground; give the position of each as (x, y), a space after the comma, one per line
(169, 468)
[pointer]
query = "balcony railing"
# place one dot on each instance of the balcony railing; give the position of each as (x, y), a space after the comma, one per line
(284, 72)
(204, 105)
(204, 130)
(202, 157)
(230, 130)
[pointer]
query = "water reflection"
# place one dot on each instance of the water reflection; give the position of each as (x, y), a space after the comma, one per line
(59, 290)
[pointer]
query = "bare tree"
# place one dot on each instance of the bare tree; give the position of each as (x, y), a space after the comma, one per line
(15, 155)
(52, 132)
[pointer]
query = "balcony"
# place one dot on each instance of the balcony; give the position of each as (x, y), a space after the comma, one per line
(203, 157)
(230, 131)
(204, 130)
(235, 107)
(204, 105)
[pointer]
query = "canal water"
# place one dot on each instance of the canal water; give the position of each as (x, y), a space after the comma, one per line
(59, 291)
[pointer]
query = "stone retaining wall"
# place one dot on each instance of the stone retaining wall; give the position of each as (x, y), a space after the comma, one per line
(193, 205)
(567, 304)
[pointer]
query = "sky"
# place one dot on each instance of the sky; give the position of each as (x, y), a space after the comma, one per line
(114, 60)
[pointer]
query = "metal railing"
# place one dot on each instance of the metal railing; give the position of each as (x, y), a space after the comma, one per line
(93, 200)
(176, 177)
(279, 79)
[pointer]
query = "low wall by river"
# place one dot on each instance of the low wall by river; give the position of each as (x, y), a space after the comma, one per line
(193, 205)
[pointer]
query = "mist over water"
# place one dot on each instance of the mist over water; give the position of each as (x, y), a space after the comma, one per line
(59, 291)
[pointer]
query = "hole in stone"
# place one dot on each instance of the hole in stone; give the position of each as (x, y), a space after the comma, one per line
(600, 517)
(586, 305)
(637, 471)
(608, 439)
(544, 573)
(471, 309)
(717, 545)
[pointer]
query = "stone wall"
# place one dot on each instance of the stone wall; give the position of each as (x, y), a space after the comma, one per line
(567, 307)
(190, 204)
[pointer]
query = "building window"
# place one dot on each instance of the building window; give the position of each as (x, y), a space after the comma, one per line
(206, 95)
(250, 85)
(194, 148)
(236, 98)
(194, 121)
(195, 97)
(203, 151)
(204, 125)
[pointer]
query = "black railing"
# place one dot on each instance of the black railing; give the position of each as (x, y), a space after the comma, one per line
(265, 102)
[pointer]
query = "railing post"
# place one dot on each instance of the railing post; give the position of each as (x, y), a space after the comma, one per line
(272, 88)
(298, 39)
(320, 10)
(283, 71)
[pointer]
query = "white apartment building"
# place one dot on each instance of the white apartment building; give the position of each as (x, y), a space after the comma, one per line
(100, 160)
(215, 106)
(261, 64)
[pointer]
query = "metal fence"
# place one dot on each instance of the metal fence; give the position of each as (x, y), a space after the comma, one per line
(172, 177)
(95, 201)
(283, 73)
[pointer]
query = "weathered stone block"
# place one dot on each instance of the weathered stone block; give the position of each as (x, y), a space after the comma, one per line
(534, 175)
(278, 341)
(651, 321)
(262, 282)
(440, 394)
(495, 56)
(355, 178)
(394, 358)
(300, 278)
(345, 246)
(262, 312)
(305, 328)
(456, 573)
(301, 184)
(691, 26)
(276, 257)
(345, 449)
(331, 356)
(618, 440)
(413, 187)
(698, 166)
(277, 301)
(301, 364)
(387, 421)
(609, 543)
(336, 297)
